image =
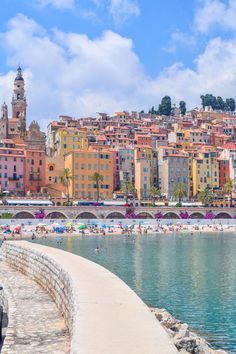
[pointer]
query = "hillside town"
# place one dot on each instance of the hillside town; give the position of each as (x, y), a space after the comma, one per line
(186, 155)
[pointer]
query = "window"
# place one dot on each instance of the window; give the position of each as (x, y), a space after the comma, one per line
(76, 166)
(89, 166)
(82, 177)
(51, 168)
(32, 162)
(40, 162)
(5, 167)
(5, 175)
(14, 159)
(65, 146)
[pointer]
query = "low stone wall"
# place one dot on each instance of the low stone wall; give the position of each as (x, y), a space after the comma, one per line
(102, 313)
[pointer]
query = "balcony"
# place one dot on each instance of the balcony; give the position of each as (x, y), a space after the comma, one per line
(14, 178)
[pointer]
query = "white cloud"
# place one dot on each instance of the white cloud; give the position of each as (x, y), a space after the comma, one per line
(215, 13)
(121, 10)
(68, 73)
(59, 4)
(180, 39)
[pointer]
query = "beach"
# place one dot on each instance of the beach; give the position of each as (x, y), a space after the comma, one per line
(40, 229)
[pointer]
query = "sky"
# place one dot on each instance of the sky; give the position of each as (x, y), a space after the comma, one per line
(80, 57)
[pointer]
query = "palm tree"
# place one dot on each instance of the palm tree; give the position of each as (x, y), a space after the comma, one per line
(66, 179)
(205, 196)
(228, 189)
(180, 192)
(128, 188)
(154, 194)
(97, 178)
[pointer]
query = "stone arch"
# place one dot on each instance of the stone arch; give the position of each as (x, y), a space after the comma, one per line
(56, 215)
(223, 215)
(86, 215)
(171, 215)
(144, 215)
(115, 215)
(24, 215)
(197, 215)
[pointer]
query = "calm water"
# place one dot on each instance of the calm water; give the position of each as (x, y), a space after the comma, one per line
(193, 277)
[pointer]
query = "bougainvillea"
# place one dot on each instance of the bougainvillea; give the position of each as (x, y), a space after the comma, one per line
(210, 215)
(184, 215)
(159, 215)
(130, 215)
(40, 214)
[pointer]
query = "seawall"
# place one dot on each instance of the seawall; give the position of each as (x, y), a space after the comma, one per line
(103, 314)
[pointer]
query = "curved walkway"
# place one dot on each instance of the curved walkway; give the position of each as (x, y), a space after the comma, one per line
(35, 325)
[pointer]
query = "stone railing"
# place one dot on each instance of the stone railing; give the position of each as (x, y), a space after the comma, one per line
(102, 313)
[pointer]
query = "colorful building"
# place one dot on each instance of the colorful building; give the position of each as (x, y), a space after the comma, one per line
(35, 167)
(205, 171)
(83, 164)
(68, 139)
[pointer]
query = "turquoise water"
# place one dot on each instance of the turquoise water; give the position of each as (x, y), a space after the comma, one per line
(192, 276)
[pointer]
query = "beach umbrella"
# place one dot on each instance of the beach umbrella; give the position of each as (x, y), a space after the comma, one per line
(42, 224)
(104, 226)
(68, 224)
(82, 227)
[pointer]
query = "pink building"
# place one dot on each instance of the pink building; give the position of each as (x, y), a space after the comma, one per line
(35, 168)
(12, 162)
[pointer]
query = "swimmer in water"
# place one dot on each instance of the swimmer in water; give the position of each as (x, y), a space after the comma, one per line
(97, 249)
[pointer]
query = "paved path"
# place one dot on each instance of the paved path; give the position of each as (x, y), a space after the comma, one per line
(35, 323)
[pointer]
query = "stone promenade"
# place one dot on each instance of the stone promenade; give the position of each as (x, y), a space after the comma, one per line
(35, 325)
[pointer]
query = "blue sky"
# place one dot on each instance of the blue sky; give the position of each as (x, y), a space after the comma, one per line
(84, 56)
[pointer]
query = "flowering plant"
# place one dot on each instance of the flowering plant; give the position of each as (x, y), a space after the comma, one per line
(159, 215)
(210, 215)
(184, 215)
(40, 214)
(130, 215)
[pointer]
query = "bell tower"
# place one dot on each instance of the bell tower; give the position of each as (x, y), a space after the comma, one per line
(4, 122)
(19, 104)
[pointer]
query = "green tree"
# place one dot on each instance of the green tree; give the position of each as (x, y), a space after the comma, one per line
(228, 189)
(182, 107)
(220, 103)
(154, 194)
(209, 100)
(66, 180)
(128, 188)
(180, 192)
(205, 196)
(165, 106)
(230, 104)
(97, 178)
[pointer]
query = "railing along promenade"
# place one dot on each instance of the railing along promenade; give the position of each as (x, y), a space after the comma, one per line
(115, 212)
(103, 314)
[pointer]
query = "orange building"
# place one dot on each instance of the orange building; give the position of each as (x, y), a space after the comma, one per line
(83, 164)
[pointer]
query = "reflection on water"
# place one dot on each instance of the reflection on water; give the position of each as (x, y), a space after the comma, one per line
(193, 277)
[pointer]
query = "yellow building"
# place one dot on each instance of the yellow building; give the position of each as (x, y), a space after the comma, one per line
(143, 171)
(68, 139)
(83, 164)
(205, 171)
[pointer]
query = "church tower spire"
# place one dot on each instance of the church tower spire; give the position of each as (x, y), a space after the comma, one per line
(4, 122)
(19, 104)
